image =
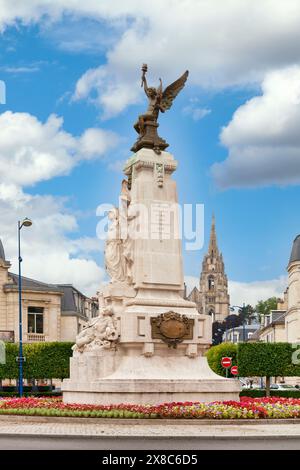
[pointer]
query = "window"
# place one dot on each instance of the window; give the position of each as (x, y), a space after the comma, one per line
(269, 338)
(211, 283)
(35, 320)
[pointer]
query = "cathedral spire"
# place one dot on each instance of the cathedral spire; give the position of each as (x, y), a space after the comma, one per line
(213, 247)
(213, 297)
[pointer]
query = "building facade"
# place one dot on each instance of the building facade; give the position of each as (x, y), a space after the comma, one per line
(272, 328)
(51, 312)
(240, 334)
(292, 318)
(283, 324)
(212, 297)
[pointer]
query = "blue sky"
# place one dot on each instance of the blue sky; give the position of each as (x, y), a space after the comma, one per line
(82, 64)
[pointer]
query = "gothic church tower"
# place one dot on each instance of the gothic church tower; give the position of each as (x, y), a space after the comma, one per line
(213, 293)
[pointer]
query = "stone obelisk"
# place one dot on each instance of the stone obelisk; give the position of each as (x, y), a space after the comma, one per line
(148, 343)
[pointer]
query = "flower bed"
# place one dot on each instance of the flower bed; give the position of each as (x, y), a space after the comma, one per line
(247, 408)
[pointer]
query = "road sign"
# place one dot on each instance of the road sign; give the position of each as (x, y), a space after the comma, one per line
(226, 362)
(234, 370)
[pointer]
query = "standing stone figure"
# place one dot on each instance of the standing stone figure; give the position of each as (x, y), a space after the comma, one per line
(128, 244)
(114, 260)
(127, 214)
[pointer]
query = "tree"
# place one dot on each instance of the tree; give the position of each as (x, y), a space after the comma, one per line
(268, 360)
(232, 321)
(218, 329)
(264, 307)
(214, 356)
(247, 313)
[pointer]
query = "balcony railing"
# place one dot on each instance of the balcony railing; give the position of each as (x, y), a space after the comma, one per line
(35, 337)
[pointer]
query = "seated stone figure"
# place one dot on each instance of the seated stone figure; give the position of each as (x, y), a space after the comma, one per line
(100, 333)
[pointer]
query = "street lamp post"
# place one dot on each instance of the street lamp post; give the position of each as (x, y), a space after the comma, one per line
(25, 223)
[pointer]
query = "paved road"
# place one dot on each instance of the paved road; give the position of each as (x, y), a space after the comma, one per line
(149, 443)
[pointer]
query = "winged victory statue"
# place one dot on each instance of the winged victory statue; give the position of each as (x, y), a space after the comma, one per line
(159, 100)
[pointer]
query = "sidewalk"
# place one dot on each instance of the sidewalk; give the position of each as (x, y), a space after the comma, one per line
(51, 427)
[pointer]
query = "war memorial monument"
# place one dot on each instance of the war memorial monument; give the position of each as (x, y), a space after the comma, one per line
(148, 344)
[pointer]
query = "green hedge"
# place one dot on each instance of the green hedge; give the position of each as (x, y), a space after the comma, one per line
(30, 394)
(43, 360)
(257, 359)
(267, 360)
(273, 393)
(215, 354)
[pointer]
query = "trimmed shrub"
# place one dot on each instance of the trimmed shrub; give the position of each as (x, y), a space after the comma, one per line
(215, 354)
(43, 360)
(267, 360)
(253, 393)
(273, 393)
(31, 394)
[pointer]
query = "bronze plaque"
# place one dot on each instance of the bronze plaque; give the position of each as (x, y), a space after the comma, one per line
(172, 328)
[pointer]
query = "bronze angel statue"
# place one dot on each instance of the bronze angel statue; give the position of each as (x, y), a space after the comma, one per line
(159, 100)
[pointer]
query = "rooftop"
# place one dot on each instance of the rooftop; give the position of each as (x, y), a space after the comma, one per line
(295, 254)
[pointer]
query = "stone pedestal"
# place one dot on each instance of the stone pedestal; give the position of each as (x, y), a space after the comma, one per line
(162, 340)
(169, 375)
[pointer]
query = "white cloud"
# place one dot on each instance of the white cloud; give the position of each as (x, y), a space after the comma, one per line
(263, 137)
(48, 253)
(20, 69)
(32, 151)
(195, 111)
(222, 43)
(252, 292)
(112, 95)
(248, 292)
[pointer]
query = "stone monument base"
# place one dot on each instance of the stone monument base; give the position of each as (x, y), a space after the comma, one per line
(144, 380)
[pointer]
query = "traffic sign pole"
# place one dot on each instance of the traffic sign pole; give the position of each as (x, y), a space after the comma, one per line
(226, 362)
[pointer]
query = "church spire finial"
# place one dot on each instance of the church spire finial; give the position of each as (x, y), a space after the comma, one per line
(213, 247)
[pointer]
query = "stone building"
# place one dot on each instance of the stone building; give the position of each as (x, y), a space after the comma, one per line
(292, 317)
(51, 312)
(212, 297)
(272, 328)
(240, 334)
(283, 324)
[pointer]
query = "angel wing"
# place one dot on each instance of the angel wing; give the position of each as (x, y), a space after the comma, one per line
(170, 93)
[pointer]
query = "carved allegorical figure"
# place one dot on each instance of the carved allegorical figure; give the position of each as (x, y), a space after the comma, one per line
(119, 243)
(101, 332)
(114, 259)
(127, 215)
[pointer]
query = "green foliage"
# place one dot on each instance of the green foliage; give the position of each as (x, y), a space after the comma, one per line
(267, 360)
(254, 393)
(215, 354)
(43, 360)
(31, 394)
(264, 307)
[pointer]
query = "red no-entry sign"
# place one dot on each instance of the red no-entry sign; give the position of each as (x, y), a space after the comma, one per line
(226, 362)
(234, 370)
